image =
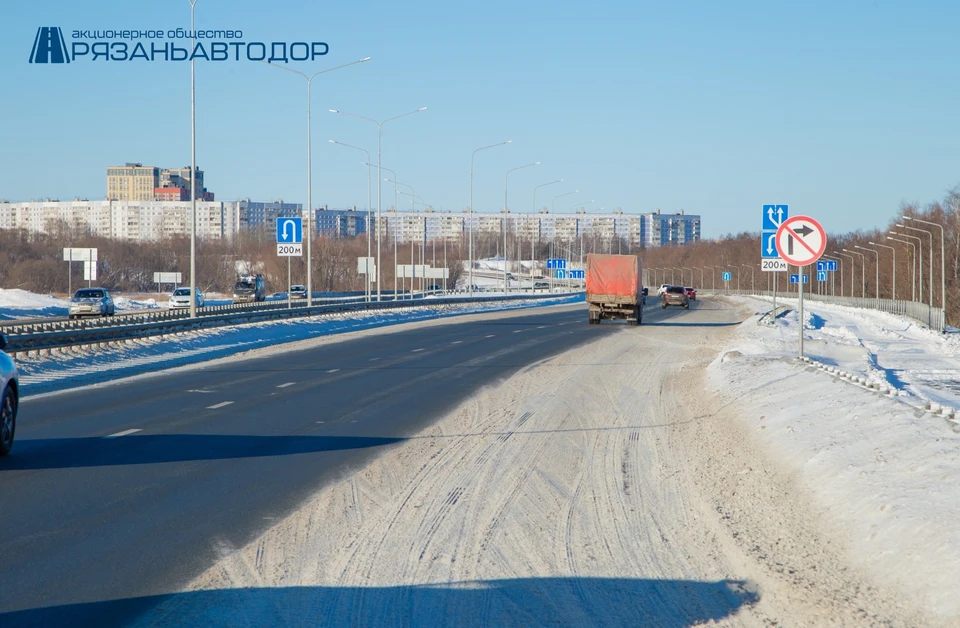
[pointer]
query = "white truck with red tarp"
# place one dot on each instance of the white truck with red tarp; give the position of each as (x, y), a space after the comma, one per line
(614, 287)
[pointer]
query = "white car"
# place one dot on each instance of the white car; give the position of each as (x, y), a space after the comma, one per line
(662, 289)
(181, 298)
(9, 398)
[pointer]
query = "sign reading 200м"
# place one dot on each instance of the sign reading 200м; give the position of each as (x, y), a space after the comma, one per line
(50, 46)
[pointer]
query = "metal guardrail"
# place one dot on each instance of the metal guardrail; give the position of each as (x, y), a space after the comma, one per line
(932, 317)
(41, 336)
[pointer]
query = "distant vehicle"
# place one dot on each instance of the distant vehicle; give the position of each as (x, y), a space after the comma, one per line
(540, 285)
(249, 289)
(692, 293)
(646, 293)
(614, 288)
(91, 302)
(663, 288)
(539, 277)
(181, 298)
(675, 295)
(9, 398)
(298, 292)
(434, 288)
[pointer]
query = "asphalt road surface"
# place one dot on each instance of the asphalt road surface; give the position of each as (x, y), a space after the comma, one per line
(125, 491)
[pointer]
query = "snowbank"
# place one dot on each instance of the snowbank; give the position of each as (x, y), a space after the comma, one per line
(887, 472)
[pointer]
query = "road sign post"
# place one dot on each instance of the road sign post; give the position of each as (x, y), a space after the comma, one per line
(290, 244)
(801, 241)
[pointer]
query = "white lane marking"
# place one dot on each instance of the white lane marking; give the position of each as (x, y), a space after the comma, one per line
(542, 327)
(200, 391)
(489, 335)
(517, 331)
(374, 359)
(124, 433)
(456, 342)
(287, 384)
(219, 405)
(416, 350)
(333, 370)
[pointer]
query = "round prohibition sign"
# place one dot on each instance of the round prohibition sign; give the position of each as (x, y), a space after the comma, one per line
(800, 240)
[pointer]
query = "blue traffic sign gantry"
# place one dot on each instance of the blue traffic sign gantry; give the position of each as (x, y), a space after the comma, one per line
(289, 230)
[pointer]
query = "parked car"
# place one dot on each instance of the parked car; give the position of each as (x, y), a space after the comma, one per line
(692, 293)
(663, 288)
(181, 298)
(91, 302)
(541, 285)
(9, 398)
(435, 288)
(298, 292)
(675, 295)
(249, 289)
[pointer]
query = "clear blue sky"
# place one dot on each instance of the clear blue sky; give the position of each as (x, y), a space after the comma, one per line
(841, 109)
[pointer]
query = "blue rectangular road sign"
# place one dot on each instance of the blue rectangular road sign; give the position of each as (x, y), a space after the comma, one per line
(796, 278)
(773, 216)
(556, 264)
(289, 230)
(828, 266)
(575, 274)
(821, 275)
(727, 276)
(768, 244)
(560, 274)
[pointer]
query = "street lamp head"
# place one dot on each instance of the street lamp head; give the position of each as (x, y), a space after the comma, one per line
(536, 163)
(422, 109)
(334, 111)
(908, 217)
(364, 59)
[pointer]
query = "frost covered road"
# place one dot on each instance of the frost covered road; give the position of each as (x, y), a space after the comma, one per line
(600, 484)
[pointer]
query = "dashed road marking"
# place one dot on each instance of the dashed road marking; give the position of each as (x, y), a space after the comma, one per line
(124, 433)
(456, 342)
(333, 370)
(374, 359)
(489, 335)
(286, 385)
(416, 350)
(219, 405)
(517, 331)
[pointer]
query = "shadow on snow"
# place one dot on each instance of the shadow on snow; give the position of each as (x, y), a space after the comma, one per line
(517, 602)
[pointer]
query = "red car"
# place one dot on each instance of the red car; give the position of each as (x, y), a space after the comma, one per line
(691, 293)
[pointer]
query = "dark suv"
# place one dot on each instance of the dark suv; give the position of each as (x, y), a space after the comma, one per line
(675, 295)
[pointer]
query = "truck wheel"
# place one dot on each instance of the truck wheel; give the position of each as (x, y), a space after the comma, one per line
(639, 315)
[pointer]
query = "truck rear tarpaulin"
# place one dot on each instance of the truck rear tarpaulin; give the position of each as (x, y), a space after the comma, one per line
(614, 287)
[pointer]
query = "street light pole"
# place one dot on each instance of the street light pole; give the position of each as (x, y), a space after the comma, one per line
(470, 209)
(877, 253)
(913, 274)
(919, 268)
(863, 272)
(506, 210)
(379, 176)
(894, 268)
(309, 228)
(753, 283)
(853, 269)
(943, 281)
(369, 203)
(193, 166)
(532, 246)
(930, 257)
(833, 283)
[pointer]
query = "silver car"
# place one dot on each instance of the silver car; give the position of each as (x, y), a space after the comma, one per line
(181, 298)
(91, 302)
(9, 398)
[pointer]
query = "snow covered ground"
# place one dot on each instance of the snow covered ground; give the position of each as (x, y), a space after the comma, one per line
(74, 366)
(887, 472)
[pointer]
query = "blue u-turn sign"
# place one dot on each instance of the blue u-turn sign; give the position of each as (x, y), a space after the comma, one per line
(727, 276)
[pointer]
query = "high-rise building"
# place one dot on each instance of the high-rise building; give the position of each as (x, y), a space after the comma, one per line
(136, 182)
(132, 182)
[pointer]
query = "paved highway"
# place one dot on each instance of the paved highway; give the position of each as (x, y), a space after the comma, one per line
(126, 491)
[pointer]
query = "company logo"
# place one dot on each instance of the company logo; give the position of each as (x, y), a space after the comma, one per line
(49, 46)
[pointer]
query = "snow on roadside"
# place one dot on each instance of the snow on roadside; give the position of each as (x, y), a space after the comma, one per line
(72, 367)
(16, 303)
(888, 473)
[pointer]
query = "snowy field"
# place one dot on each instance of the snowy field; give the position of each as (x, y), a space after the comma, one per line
(887, 472)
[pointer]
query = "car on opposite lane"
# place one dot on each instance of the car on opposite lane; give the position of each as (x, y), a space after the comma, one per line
(9, 398)
(675, 295)
(91, 302)
(298, 292)
(181, 298)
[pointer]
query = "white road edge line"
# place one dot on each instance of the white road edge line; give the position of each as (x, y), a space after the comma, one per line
(333, 370)
(416, 350)
(124, 433)
(287, 384)
(489, 335)
(374, 359)
(219, 405)
(456, 342)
